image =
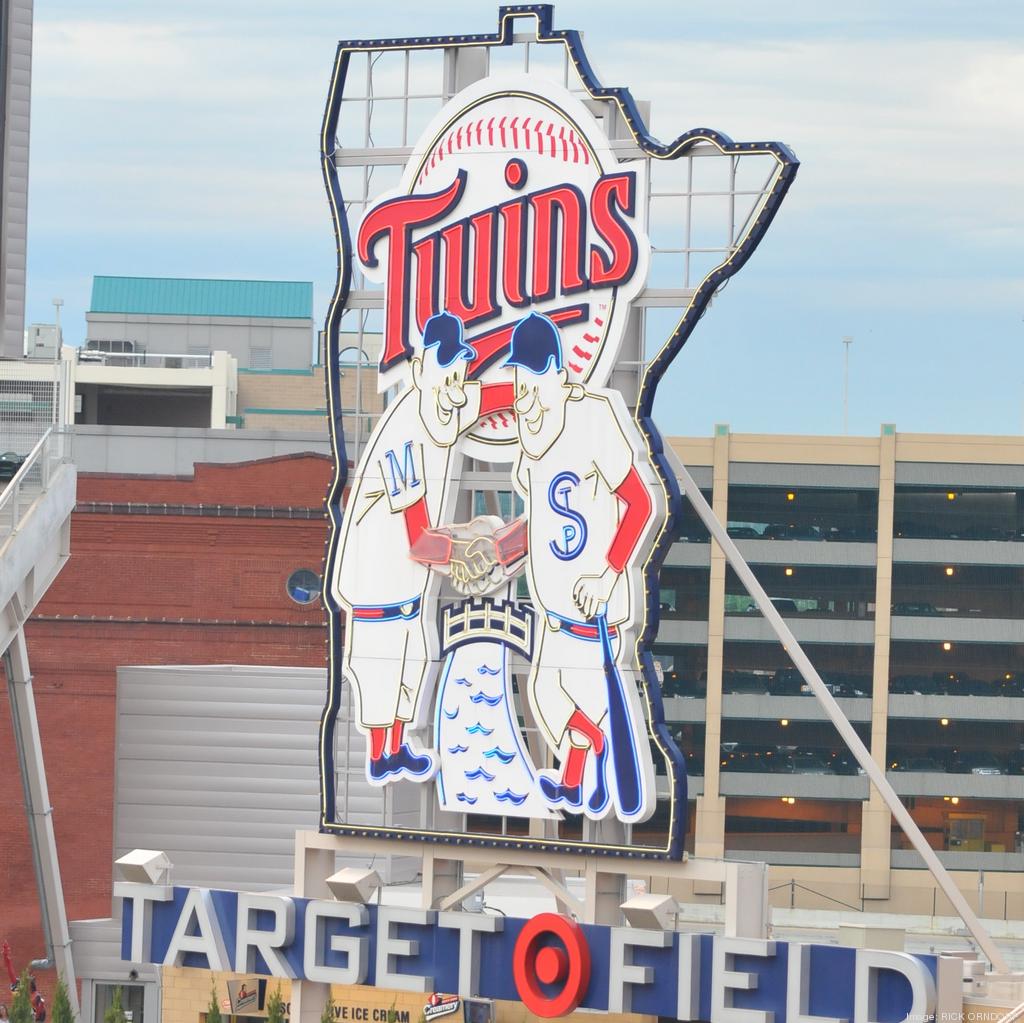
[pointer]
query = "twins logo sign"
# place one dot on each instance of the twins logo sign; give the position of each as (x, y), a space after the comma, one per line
(492, 570)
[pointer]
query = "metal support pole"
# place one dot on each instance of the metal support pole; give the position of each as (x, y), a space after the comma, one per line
(847, 341)
(839, 719)
(40, 817)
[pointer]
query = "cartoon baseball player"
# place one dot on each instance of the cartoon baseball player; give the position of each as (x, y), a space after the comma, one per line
(402, 489)
(591, 500)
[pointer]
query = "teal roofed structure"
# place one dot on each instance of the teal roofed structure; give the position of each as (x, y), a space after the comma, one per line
(177, 296)
(265, 326)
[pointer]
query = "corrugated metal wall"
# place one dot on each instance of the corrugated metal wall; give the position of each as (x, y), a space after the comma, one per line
(217, 767)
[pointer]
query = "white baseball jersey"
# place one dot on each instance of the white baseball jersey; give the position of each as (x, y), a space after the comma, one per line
(572, 510)
(400, 466)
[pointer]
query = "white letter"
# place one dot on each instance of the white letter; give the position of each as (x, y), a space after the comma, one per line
(798, 987)
(688, 997)
(357, 949)
(470, 926)
(251, 940)
(869, 963)
(143, 896)
(389, 948)
(208, 940)
(621, 970)
(724, 980)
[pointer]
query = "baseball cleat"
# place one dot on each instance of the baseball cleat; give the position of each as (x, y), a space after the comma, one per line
(405, 761)
(558, 794)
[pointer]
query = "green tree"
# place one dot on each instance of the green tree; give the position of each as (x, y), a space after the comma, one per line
(115, 1014)
(327, 1016)
(61, 1012)
(275, 1007)
(213, 1009)
(21, 1004)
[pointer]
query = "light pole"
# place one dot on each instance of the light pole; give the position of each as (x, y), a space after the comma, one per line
(847, 341)
(57, 303)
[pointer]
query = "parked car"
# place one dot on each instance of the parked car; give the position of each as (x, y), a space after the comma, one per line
(743, 532)
(784, 531)
(927, 765)
(803, 762)
(751, 682)
(848, 686)
(912, 685)
(845, 763)
(980, 762)
(787, 682)
(912, 608)
(783, 605)
(10, 463)
(851, 534)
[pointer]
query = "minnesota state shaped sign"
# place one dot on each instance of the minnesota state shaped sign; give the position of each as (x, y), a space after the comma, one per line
(493, 563)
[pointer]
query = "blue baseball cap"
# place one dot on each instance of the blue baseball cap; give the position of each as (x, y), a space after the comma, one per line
(444, 332)
(536, 344)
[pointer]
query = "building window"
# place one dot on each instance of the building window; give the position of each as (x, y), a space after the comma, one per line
(303, 586)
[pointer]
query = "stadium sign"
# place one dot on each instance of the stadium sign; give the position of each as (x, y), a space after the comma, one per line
(510, 257)
(549, 963)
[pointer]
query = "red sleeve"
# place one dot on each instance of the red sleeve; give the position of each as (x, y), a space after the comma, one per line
(495, 397)
(637, 500)
(511, 542)
(417, 521)
(427, 546)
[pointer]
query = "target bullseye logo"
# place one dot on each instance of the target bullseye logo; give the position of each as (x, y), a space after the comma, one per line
(552, 951)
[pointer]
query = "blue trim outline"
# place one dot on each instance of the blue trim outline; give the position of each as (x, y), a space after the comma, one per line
(649, 146)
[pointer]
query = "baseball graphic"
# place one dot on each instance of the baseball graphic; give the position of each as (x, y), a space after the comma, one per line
(523, 208)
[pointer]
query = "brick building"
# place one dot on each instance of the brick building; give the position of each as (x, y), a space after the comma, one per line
(164, 570)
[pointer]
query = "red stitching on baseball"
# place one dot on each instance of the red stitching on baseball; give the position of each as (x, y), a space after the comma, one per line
(581, 353)
(575, 368)
(591, 337)
(599, 321)
(534, 135)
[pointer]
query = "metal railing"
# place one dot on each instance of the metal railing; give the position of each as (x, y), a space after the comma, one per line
(144, 360)
(32, 478)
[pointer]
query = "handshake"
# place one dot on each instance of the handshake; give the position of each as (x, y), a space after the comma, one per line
(477, 556)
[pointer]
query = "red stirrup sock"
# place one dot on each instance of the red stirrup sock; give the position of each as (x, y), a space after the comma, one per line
(397, 731)
(579, 722)
(378, 737)
(572, 775)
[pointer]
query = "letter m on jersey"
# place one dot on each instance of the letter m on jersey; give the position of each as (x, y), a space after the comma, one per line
(401, 470)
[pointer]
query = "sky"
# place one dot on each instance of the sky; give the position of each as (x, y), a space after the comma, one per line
(181, 139)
